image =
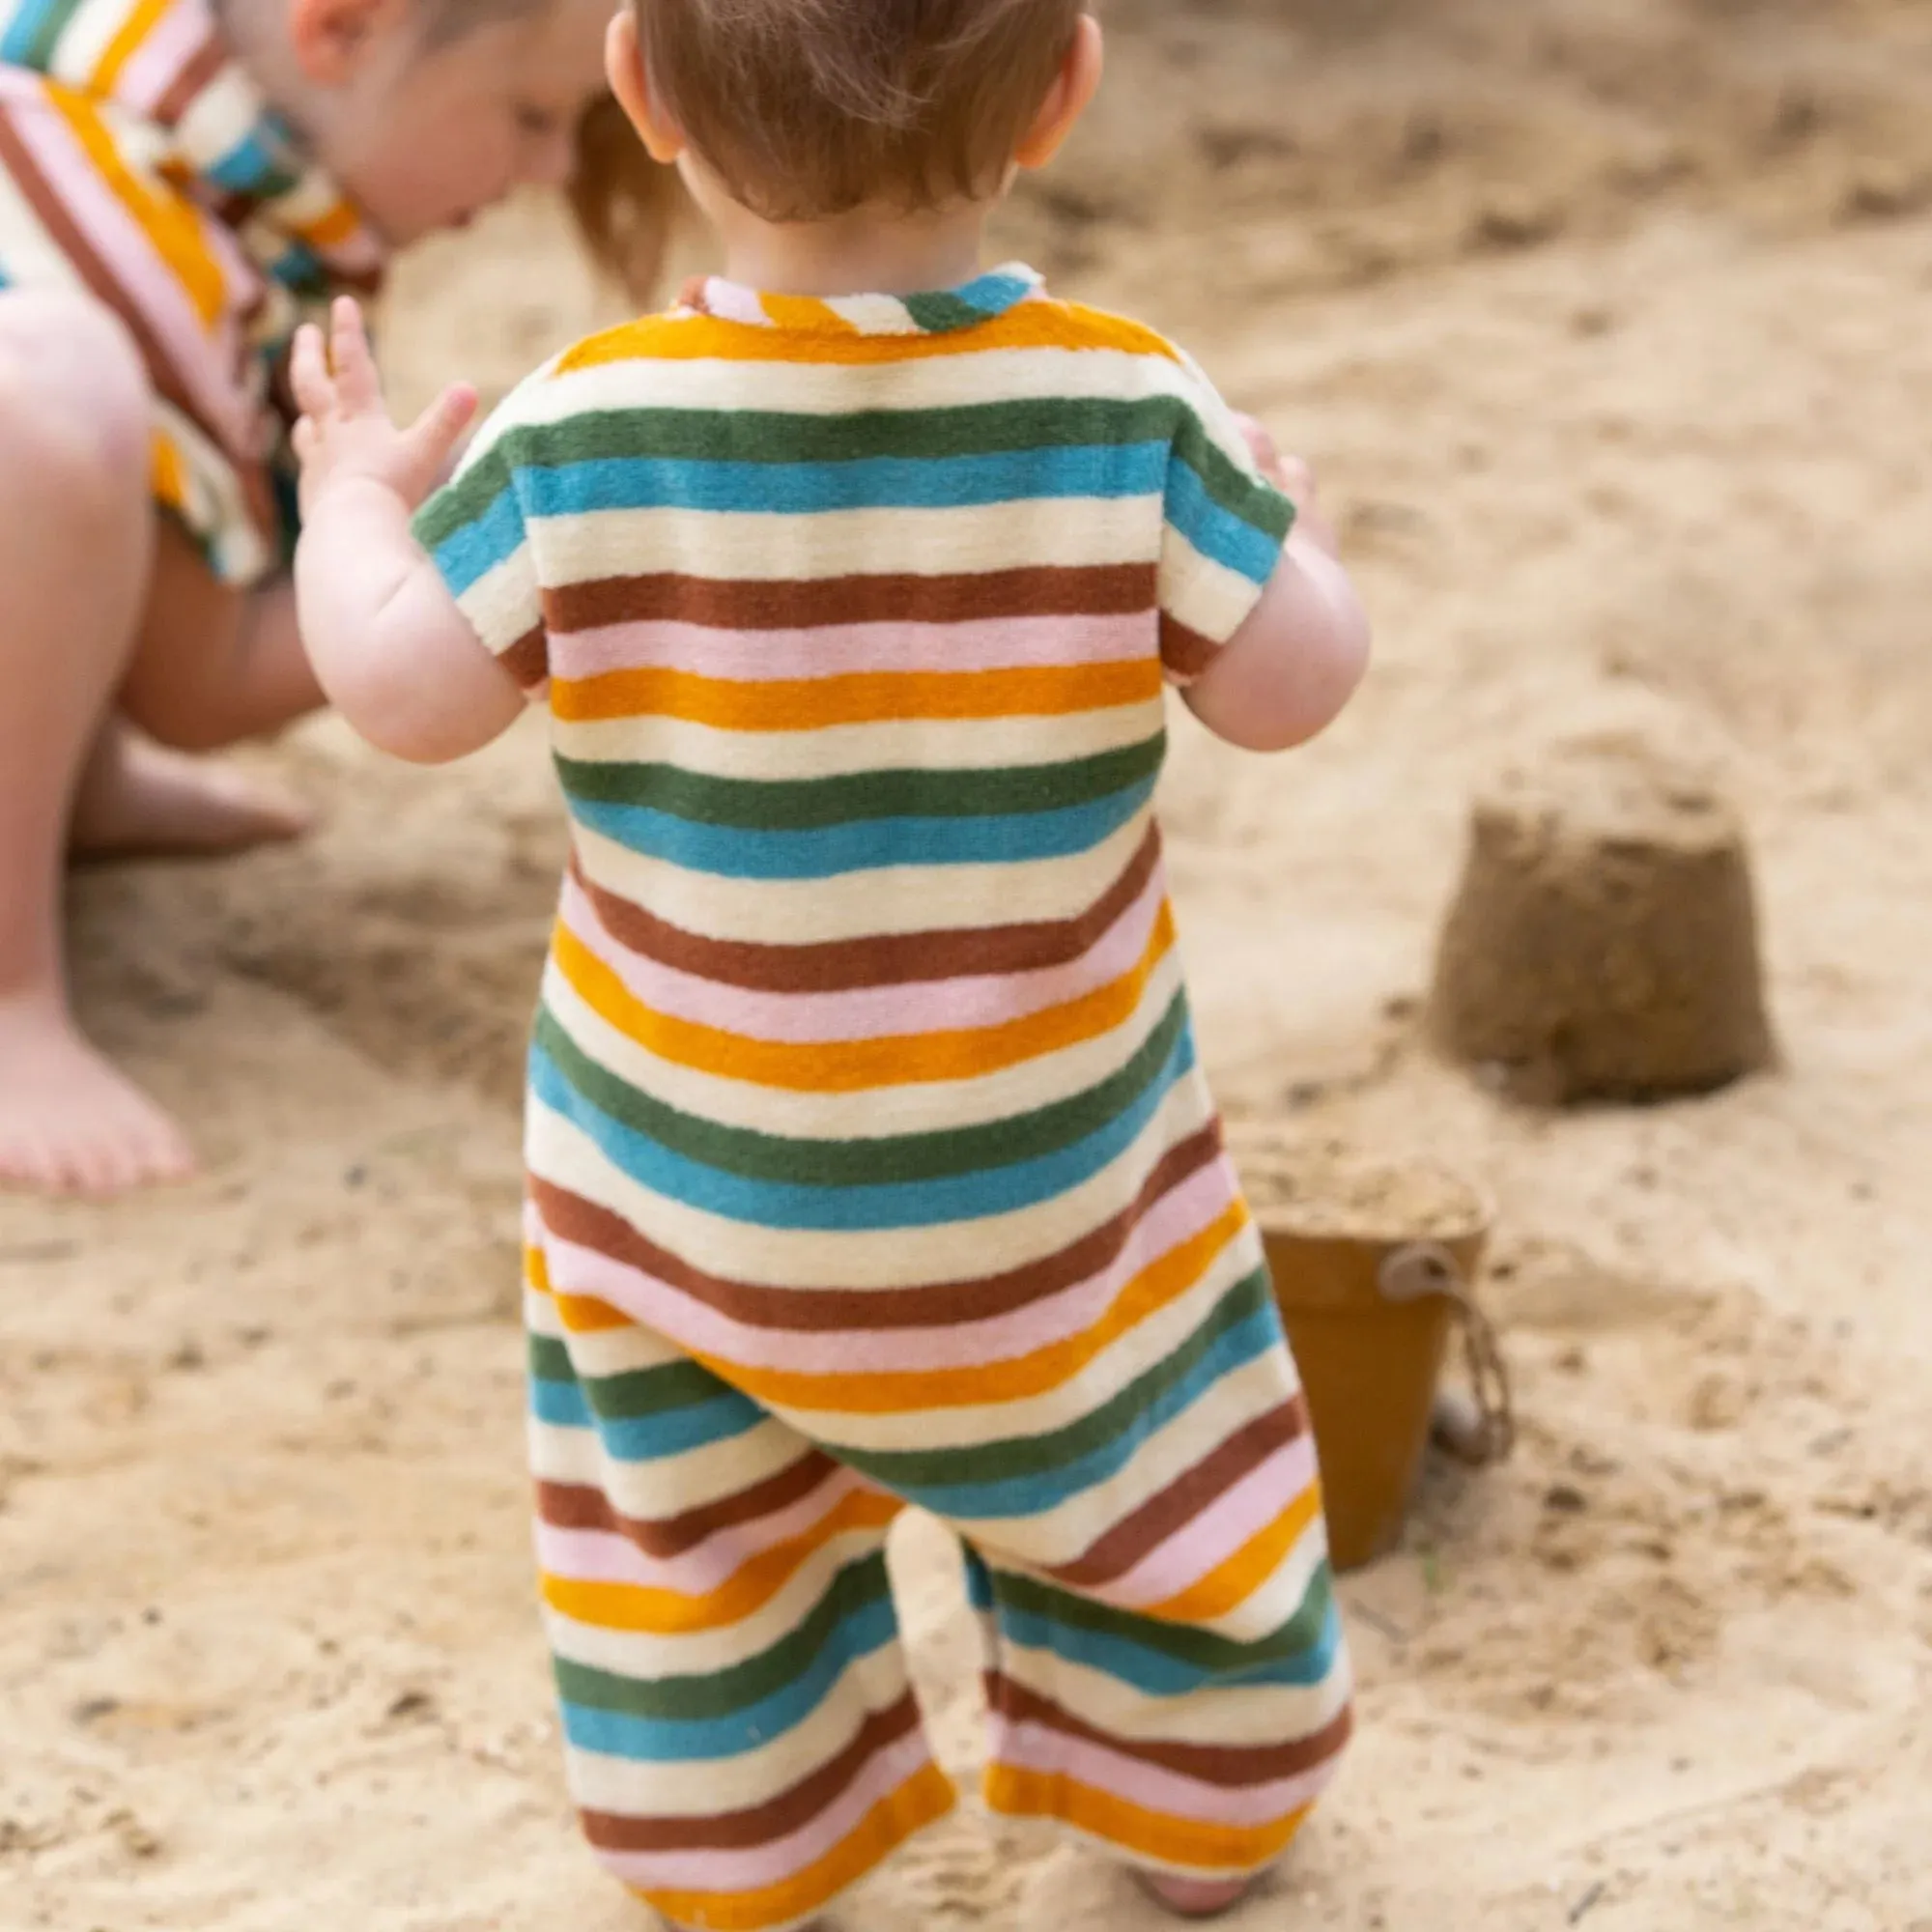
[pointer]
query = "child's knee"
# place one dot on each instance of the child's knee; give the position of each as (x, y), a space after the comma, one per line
(74, 397)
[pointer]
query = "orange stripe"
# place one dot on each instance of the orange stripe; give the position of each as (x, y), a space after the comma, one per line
(921, 1800)
(1032, 325)
(1174, 1275)
(859, 1065)
(168, 475)
(633, 1607)
(1223, 1591)
(172, 224)
(863, 697)
(127, 44)
(804, 312)
(1231, 1850)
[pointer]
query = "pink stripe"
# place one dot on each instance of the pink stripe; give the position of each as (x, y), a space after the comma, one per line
(1032, 1748)
(204, 364)
(997, 643)
(1225, 1527)
(174, 38)
(1177, 1217)
(725, 1873)
(600, 1557)
(940, 1006)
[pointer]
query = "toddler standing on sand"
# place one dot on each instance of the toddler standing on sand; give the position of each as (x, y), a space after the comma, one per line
(870, 1159)
(179, 181)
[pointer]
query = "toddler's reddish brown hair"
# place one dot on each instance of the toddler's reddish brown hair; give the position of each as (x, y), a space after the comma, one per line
(807, 110)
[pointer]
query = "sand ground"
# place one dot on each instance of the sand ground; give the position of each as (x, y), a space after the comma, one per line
(1610, 325)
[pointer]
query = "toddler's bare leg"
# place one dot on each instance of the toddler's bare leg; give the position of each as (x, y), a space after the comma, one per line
(75, 535)
(211, 666)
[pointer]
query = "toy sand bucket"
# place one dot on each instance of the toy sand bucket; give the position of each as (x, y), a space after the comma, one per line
(1374, 1268)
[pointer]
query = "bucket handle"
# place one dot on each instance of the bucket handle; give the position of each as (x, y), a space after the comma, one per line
(1419, 1273)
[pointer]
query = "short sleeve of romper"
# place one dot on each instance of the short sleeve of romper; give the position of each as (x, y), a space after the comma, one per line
(477, 532)
(1224, 526)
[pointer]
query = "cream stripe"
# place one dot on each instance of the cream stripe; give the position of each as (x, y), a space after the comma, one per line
(944, 382)
(1127, 1356)
(873, 1258)
(564, 1455)
(754, 1777)
(732, 547)
(1064, 1535)
(862, 904)
(1204, 595)
(874, 1112)
(913, 744)
(1252, 1715)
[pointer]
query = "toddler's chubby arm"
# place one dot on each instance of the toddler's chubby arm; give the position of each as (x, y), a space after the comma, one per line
(391, 649)
(1287, 672)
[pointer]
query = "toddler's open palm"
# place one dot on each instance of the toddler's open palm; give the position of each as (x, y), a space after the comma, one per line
(346, 434)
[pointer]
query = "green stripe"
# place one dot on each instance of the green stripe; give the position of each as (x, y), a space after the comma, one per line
(633, 1395)
(770, 436)
(1237, 491)
(909, 1471)
(803, 805)
(40, 50)
(858, 1163)
(939, 312)
(697, 1699)
(1201, 1649)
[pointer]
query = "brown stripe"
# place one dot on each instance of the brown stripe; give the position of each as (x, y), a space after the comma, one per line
(1103, 590)
(1136, 1537)
(527, 660)
(892, 960)
(745, 1831)
(1185, 653)
(1233, 1767)
(204, 66)
(579, 1506)
(947, 1304)
(76, 244)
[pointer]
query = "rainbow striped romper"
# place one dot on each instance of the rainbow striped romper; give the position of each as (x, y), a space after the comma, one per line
(140, 166)
(869, 1160)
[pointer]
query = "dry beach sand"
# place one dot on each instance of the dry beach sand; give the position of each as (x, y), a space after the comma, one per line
(1610, 325)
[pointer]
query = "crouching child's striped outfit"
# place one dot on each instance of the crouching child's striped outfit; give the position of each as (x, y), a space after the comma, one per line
(871, 1163)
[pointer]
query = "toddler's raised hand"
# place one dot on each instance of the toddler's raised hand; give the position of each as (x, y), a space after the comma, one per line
(346, 434)
(1294, 479)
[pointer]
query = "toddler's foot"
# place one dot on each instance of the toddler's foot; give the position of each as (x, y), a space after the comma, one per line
(138, 798)
(1197, 1897)
(70, 1123)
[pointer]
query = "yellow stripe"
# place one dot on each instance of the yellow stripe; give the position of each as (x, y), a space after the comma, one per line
(127, 44)
(862, 698)
(168, 475)
(859, 1065)
(921, 1800)
(1031, 325)
(1155, 1836)
(634, 1606)
(804, 312)
(579, 1314)
(1052, 1367)
(1224, 1590)
(172, 224)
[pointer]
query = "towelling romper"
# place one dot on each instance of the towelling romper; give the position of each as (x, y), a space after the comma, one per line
(139, 165)
(870, 1159)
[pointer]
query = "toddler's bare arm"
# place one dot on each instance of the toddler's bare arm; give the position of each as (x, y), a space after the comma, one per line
(1289, 670)
(391, 648)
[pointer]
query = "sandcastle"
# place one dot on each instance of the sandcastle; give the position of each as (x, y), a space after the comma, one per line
(1603, 942)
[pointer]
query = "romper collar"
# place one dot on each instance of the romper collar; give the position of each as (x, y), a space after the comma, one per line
(982, 300)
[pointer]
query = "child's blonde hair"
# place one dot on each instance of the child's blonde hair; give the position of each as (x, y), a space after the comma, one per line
(807, 110)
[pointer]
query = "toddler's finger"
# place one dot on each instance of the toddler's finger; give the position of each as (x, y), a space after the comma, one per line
(302, 438)
(355, 377)
(308, 373)
(432, 439)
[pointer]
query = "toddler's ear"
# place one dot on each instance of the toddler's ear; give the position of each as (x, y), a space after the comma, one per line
(631, 82)
(1068, 99)
(333, 37)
